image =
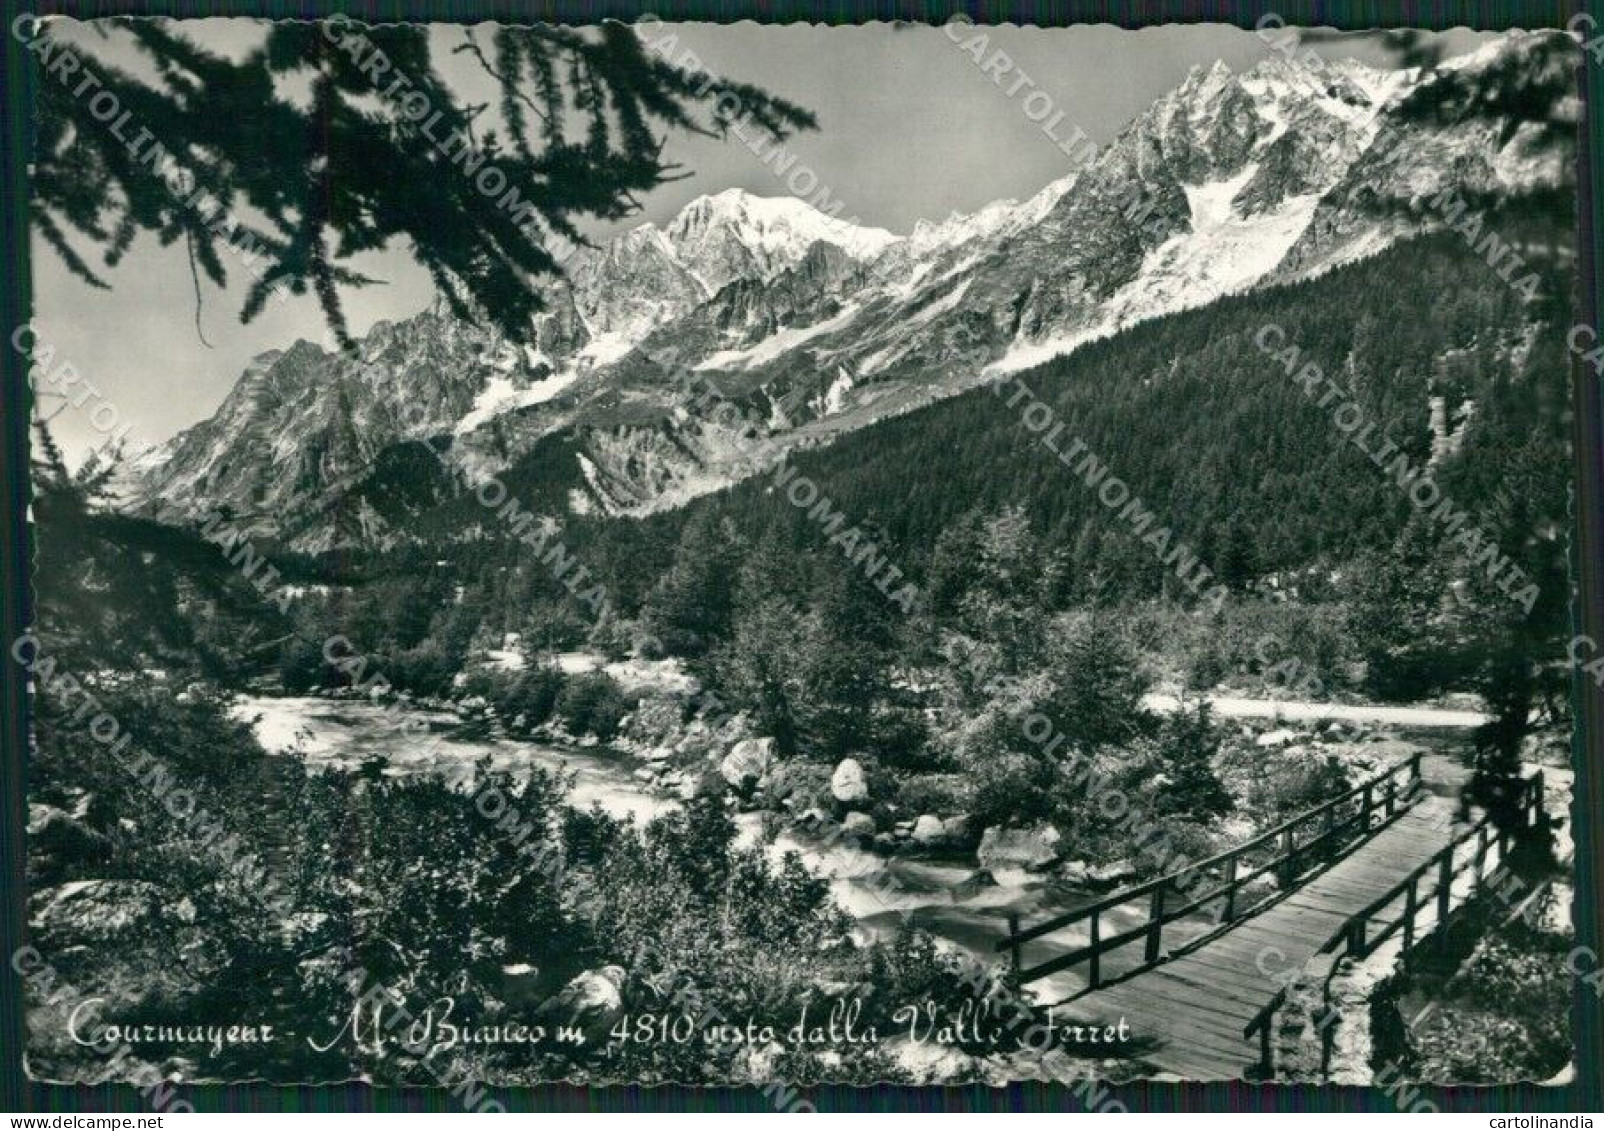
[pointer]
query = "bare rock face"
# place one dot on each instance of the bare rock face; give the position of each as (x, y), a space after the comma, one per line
(653, 728)
(815, 326)
(849, 784)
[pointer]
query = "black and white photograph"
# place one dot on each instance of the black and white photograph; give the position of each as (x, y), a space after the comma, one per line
(673, 553)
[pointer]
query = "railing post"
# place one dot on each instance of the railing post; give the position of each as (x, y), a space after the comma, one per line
(1096, 971)
(1328, 1020)
(1156, 914)
(1445, 886)
(1286, 869)
(1411, 904)
(1534, 792)
(1481, 856)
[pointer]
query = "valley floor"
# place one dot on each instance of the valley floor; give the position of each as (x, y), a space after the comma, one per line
(1234, 706)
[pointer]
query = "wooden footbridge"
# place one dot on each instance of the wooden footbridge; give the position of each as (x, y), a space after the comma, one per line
(1198, 962)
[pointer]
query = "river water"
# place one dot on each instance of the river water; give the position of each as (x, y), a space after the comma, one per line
(947, 896)
(942, 895)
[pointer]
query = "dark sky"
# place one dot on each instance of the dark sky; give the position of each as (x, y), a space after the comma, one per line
(909, 128)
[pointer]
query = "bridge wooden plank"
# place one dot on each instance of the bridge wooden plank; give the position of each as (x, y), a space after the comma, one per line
(1343, 898)
(1195, 1004)
(1247, 959)
(1160, 1011)
(1288, 943)
(1376, 879)
(1399, 852)
(1353, 893)
(1221, 1054)
(1173, 1002)
(1236, 975)
(1305, 915)
(1215, 1035)
(1209, 1006)
(1235, 987)
(1304, 925)
(1173, 1038)
(1200, 1068)
(1240, 961)
(1209, 1071)
(1391, 848)
(1306, 904)
(1168, 997)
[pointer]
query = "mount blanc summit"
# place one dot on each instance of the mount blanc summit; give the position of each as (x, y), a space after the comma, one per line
(816, 326)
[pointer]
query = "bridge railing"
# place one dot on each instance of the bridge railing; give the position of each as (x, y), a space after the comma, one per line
(1431, 883)
(1227, 880)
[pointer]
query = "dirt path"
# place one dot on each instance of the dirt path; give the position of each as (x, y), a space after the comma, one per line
(1235, 707)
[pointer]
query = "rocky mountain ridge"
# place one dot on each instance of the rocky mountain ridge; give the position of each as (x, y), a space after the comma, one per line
(816, 326)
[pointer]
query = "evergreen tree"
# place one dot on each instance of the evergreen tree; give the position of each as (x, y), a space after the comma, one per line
(759, 669)
(1397, 614)
(1185, 747)
(845, 662)
(1518, 659)
(690, 608)
(1094, 682)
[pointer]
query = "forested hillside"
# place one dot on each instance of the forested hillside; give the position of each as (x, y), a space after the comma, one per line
(1316, 547)
(1210, 431)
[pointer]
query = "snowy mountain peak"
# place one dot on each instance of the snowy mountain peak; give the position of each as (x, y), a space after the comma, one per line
(646, 237)
(994, 219)
(961, 227)
(1339, 87)
(1203, 85)
(1203, 76)
(735, 234)
(1231, 181)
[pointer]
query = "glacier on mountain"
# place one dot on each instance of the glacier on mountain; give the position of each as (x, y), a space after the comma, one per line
(818, 325)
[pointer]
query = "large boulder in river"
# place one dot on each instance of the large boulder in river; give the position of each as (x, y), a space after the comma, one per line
(592, 1001)
(1111, 874)
(1035, 847)
(652, 729)
(699, 783)
(928, 830)
(1075, 873)
(857, 826)
(747, 761)
(849, 784)
(973, 884)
